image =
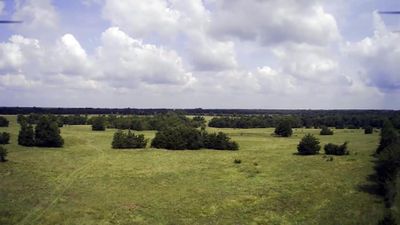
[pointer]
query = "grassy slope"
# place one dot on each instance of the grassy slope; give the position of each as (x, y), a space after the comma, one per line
(87, 182)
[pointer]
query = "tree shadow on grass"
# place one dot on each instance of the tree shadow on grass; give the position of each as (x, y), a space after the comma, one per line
(371, 187)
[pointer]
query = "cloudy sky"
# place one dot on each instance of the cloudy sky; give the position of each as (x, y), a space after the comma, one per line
(308, 54)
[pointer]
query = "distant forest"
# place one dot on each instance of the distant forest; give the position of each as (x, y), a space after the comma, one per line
(196, 111)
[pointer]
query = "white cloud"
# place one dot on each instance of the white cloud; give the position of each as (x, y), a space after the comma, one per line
(126, 62)
(274, 21)
(142, 17)
(377, 57)
(39, 16)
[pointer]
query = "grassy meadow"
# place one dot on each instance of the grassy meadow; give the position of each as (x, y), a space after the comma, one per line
(87, 182)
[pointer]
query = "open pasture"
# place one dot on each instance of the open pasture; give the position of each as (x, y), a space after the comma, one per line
(88, 182)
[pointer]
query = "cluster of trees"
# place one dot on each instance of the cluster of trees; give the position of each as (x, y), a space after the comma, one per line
(339, 120)
(98, 123)
(3, 121)
(387, 167)
(128, 140)
(46, 133)
(186, 137)
(310, 145)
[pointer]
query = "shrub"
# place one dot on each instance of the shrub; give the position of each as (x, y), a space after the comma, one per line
(183, 137)
(47, 133)
(332, 149)
(26, 136)
(219, 141)
(3, 154)
(309, 145)
(284, 128)
(4, 138)
(326, 131)
(98, 123)
(178, 138)
(3, 121)
(129, 140)
(237, 161)
(388, 136)
(368, 130)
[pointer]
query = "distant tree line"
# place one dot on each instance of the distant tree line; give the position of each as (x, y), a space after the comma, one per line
(339, 121)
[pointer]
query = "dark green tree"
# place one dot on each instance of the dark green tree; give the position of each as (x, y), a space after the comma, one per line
(26, 136)
(3, 121)
(332, 149)
(368, 130)
(4, 138)
(3, 154)
(389, 136)
(47, 133)
(99, 123)
(284, 128)
(118, 139)
(326, 131)
(309, 145)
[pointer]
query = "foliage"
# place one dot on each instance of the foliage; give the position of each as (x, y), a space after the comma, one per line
(178, 138)
(122, 140)
(326, 131)
(4, 138)
(26, 136)
(3, 121)
(309, 145)
(47, 133)
(3, 154)
(219, 141)
(99, 123)
(368, 130)
(284, 128)
(389, 135)
(388, 220)
(387, 169)
(332, 149)
(183, 137)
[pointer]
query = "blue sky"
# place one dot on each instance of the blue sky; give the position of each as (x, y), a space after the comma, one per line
(201, 53)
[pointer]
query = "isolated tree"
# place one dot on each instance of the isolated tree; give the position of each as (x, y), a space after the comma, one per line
(3, 154)
(326, 131)
(309, 145)
(4, 138)
(332, 149)
(47, 133)
(99, 123)
(284, 128)
(26, 136)
(3, 121)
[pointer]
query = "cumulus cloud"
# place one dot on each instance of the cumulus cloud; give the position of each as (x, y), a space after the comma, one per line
(188, 21)
(39, 16)
(272, 22)
(127, 61)
(378, 57)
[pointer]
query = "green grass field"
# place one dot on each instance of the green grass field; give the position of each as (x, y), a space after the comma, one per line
(87, 182)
